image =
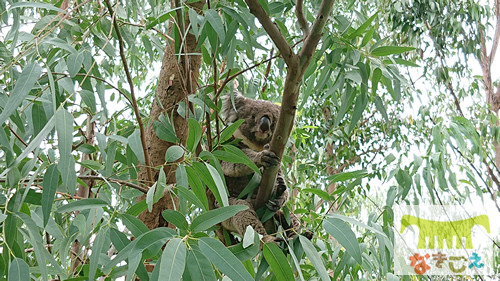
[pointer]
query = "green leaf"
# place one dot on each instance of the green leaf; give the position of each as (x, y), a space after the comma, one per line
(19, 270)
(158, 235)
(314, 257)
(24, 84)
(221, 187)
(381, 108)
(176, 218)
(194, 135)
(214, 20)
(223, 259)
(134, 225)
(165, 132)
(74, 62)
(278, 262)
(363, 27)
(198, 266)
(30, 4)
(191, 197)
(235, 155)
(98, 248)
(343, 233)
(174, 153)
(64, 128)
(213, 217)
(390, 50)
(50, 183)
(348, 175)
(150, 196)
(196, 184)
(93, 165)
(134, 141)
(173, 260)
(359, 107)
(228, 132)
(82, 204)
(321, 193)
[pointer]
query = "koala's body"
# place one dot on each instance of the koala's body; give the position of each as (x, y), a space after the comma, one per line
(255, 134)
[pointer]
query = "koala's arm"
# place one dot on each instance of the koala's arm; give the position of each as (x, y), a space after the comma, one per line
(280, 193)
(263, 158)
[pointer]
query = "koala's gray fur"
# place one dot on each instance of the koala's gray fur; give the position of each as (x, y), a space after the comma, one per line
(255, 134)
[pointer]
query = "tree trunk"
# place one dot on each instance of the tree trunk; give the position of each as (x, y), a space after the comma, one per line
(174, 86)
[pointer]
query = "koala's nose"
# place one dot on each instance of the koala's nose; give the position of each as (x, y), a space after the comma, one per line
(265, 124)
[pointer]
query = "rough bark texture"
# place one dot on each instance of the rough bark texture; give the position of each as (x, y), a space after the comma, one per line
(173, 87)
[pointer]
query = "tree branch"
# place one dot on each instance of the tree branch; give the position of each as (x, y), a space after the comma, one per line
(273, 31)
(295, 73)
(301, 19)
(313, 38)
(496, 37)
(132, 93)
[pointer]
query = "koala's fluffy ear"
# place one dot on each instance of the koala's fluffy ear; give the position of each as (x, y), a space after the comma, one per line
(229, 112)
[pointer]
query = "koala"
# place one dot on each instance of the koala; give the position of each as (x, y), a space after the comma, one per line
(255, 134)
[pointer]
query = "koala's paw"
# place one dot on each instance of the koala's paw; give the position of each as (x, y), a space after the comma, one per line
(270, 238)
(280, 195)
(268, 159)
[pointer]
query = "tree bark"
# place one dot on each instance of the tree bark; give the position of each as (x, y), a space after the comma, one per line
(173, 88)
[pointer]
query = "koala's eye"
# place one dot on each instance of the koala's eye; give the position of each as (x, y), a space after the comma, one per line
(253, 116)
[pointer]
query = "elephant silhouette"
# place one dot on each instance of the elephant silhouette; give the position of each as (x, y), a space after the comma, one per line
(445, 230)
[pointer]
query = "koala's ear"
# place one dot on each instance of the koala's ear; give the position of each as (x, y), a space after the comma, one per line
(228, 110)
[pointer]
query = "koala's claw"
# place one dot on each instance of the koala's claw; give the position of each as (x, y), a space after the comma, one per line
(268, 159)
(273, 205)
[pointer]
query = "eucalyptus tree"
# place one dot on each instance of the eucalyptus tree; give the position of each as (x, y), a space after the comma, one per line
(111, 135)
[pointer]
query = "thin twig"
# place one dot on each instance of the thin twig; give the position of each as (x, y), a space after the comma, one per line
(301, 19)
(147, 165)
(273, 31)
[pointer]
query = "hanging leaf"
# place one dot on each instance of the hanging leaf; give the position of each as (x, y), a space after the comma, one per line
(343, 233)
(278, 262)
(19, 270)
(134, 141)
(223, 259)
(174, 153)
(24, 84)
(50, 183)
(173, 260)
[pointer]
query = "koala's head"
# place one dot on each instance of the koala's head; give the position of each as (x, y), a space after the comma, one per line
(260, 119)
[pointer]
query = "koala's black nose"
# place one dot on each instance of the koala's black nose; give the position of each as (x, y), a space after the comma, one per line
(265, 123)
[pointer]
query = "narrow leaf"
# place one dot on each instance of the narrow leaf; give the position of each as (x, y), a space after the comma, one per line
(391, 50)
(134, 141)
(173, 260)
(214, 20)
(50, 182)
(64, 128)
(278, 262)
(176, 218)
(229, 131)
(221, 187)
(19, 270)
(194, 135)
(24, 84)
(223, 259)
(98, 247)
(348, 175)
(198, 266)
(82, 204)
(213, 217)
(344, 235)
(314, 257)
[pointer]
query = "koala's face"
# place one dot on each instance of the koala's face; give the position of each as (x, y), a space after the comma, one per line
(260, 119)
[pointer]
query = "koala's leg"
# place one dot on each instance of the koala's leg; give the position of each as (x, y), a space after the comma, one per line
(291, 228)
(280, 195)
(239, 222)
